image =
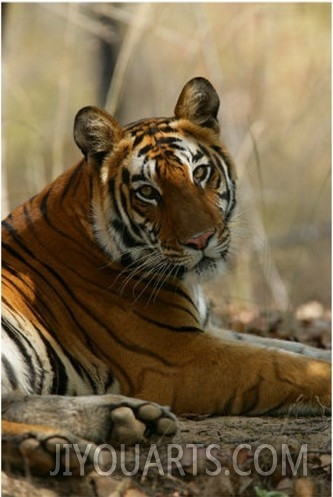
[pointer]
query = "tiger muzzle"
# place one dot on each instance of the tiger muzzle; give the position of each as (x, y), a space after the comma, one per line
(199, 241)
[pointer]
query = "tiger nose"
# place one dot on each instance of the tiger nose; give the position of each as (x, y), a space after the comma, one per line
(199, 241)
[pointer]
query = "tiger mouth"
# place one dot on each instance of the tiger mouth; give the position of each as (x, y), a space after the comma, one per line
(206, 265)
(174, 265)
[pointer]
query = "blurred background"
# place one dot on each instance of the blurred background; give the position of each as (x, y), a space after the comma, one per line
(271, 65)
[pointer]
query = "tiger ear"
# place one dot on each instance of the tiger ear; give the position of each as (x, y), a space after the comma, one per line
(96, 132)
(199, 103)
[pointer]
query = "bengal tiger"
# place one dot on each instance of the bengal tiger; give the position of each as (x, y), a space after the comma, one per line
(104, 318)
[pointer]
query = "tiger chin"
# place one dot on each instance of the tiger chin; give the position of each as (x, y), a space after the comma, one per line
(103, 317)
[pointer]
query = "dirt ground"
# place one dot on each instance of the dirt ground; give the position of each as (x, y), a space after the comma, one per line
(306, 440)
(284, 456)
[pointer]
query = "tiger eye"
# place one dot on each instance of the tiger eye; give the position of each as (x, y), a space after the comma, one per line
(147, 192)
(201, 173)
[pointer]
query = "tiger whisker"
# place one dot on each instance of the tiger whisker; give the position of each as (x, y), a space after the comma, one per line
(146, 267)
(154, 270)
(161, 280)
(170, 269)
(158, 283)
(134, 267)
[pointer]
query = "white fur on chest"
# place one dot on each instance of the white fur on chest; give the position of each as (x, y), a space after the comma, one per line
(200, 302)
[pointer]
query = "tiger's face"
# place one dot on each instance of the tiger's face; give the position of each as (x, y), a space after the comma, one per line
(167, 190)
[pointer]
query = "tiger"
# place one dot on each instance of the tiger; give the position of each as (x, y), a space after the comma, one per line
(105, 321)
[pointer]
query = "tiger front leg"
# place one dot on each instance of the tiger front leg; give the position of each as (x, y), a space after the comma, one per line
(257, 380)
(236, 378)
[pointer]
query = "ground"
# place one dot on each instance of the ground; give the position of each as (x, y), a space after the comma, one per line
(313, 469)
(280, 457)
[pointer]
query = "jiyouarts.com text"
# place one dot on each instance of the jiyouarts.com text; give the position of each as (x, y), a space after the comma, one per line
(176, 459)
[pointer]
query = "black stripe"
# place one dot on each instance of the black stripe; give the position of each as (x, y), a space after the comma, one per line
(228, 405)
(138, 139)
(109, 381)
(71, 180)
(204, 150)
(43, 209)
(111, 187)
(119, 224)
(225, 195)
(196, 156)
(138, 177)
(132, 226)
(144, 150)
(14, 254)
(194, 316)
(175, 289)
(26, 213)
(170, 154)
(250, 399)
(218, 163)
(10, 373)
(83, 373)
(233, 202)
(180, 329)
(18, 340)
(125, 176)
(43, 204)
(172, 140)
(60, 377)
(126, 236)
(225, 156)
(8, 227)
(164, 126)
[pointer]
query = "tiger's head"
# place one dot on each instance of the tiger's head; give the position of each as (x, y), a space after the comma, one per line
(165, 187)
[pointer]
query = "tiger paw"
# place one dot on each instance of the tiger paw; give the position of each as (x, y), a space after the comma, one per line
(133, 423)
(38, 430)
(43, 451)
(112, 419)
